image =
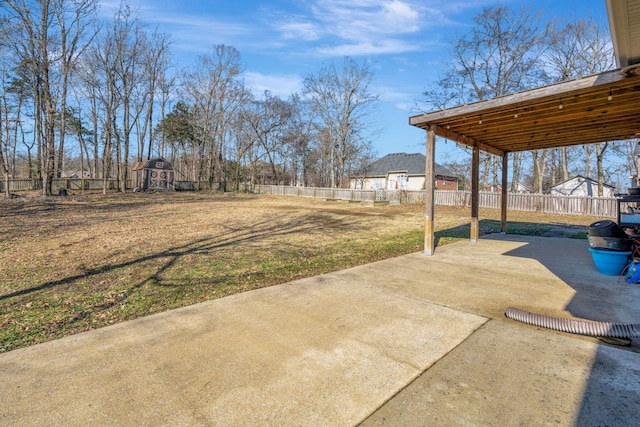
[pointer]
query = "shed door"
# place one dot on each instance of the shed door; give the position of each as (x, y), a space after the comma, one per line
(158, 179)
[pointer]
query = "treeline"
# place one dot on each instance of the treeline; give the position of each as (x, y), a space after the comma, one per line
(106, 94)
(508, 51)
(83, 94)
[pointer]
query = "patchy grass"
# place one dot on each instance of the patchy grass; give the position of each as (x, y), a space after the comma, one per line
(82, 262)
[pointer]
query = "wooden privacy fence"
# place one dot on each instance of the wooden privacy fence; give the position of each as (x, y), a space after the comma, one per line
(86, 184)
(593, 206)
(58, 184)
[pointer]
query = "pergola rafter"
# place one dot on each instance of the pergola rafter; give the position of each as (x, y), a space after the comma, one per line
(599, 108)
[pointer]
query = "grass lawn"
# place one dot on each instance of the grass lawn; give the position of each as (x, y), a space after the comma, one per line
(70, 264)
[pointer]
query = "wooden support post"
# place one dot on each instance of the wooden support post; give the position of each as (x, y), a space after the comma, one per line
(429, 199)
(503, 198)
(475, 188)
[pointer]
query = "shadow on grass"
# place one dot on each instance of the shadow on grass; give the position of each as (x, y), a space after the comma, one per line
(256, 232)
(490, 226)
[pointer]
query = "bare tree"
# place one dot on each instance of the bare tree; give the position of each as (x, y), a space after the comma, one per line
(342, 101)
(580, 49)
(34, 46)
(104, 85)
(155, 59)
(5, 122)
(216, 92)
(88, 71)
(299, 140)
(500, 55)
(77, 28)
(266, 124)
(166, 85)
(127, 37)
(48, 38)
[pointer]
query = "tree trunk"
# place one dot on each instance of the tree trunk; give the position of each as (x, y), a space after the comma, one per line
(601, 148)
(587, 159)
(515, 179)
(565, 164)
(539, 165)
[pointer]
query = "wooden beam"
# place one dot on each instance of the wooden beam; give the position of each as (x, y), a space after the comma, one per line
(531, 96)
(475, 196)
(503, 196)
(597, 108)
(557, 121)
(589, 122)
(622, 98)
(429, 198)
(461, 139)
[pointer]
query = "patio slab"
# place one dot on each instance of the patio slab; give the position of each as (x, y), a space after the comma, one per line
(413, 340)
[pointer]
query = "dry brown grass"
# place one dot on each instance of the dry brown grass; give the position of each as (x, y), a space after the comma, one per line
(76, 263)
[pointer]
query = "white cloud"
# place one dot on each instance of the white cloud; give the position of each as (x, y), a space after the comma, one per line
(279, 85)
(400, 17)
(369, 48)
(189, 32)
(359, 27)
(362, 19)
(300, 30)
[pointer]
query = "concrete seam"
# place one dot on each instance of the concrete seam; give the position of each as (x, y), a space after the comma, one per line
(421, 373)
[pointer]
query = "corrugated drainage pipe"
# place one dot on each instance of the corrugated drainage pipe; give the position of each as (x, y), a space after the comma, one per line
(580, 327)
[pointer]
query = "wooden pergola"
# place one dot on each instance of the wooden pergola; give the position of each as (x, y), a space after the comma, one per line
(598, 108)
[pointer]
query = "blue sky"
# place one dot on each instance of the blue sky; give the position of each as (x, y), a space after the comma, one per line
(282, 41)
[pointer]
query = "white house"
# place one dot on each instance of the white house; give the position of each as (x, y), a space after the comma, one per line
(402, 171)
(581, 187)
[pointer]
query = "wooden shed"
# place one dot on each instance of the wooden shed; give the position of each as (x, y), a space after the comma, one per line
(155, 174)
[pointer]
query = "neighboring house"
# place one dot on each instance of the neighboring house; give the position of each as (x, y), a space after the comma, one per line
(263, 174)
(78, 174)
(402, 171)
(581, 187)
(520, 188)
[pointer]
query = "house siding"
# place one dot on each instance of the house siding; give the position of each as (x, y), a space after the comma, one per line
(581, 187)
(404, 172)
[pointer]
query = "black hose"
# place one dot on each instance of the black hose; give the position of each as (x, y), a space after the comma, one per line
(573, 326)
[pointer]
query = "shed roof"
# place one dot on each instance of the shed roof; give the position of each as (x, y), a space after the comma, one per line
(411, 163)
(152, 164)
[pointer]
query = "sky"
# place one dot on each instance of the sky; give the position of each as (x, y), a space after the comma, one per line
(406, 42)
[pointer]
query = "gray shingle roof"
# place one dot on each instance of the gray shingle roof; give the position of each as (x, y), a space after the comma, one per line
(412, 164)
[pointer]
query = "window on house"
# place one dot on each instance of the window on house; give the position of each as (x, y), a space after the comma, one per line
(403, 181)
(159, 165)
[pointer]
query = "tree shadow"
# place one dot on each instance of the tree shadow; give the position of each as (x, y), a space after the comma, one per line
(205, 245)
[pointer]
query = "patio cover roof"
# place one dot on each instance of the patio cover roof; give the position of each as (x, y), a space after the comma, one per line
(597, 108)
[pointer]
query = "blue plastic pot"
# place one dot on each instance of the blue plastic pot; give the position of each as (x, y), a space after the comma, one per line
(610, 263)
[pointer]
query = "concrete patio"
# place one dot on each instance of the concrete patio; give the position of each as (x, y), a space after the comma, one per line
(410, 341)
